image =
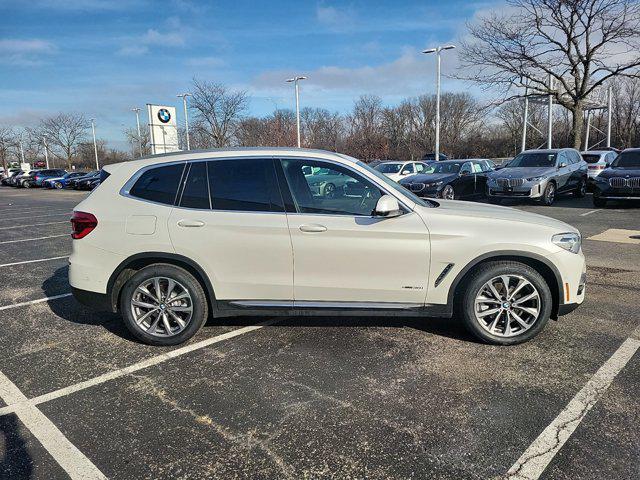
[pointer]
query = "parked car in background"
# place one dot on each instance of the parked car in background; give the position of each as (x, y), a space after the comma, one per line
(88, 182)
(170, 240)
(43, 175)
(620, 181)
(73, 182)
(26, 179)
(4, 179)
(597, 161)
(539, 175)
(451, 180)
(11, 179)
(61, 182)
(397, 170)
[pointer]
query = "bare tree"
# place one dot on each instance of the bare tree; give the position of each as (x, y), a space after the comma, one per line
(65, 132)
(7, 140)
(321, 128)
(580, 44)
(218, 112)
(365, 138)
(143, 143)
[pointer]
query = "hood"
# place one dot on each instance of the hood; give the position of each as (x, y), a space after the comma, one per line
(481, 210)
(522, 172)
(620, 172)
(428, 177)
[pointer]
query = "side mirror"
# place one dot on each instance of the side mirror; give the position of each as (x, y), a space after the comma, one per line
(405, 172)
(463, 173)
(387, 207)
(562, 164)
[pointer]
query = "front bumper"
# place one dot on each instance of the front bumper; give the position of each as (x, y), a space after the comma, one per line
(573, 272)
(527, 190)
(605, 191)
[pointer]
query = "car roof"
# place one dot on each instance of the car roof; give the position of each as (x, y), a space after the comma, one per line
(235, 152)
(596, 152)
(548, 150)
(634, 149)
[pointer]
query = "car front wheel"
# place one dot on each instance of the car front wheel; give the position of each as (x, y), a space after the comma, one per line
(448, 193)
(505, 302)
(163, 305)
(549, 194)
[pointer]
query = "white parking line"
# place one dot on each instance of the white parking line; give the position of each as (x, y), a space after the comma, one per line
(590, 212)
(540, 453)
(66, 212)
(52, 439)
(35, 238)
(163, 357)
(32, 225)
(33, 302)
(33, 261)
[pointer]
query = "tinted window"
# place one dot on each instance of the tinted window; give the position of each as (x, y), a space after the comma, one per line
(159, 184)
(196, 188)
(332, 190)
(388, 167)
(247, 185)
(420, 167)
(591, 157)
(629, 159)
(447, 167)
(103, 175)
(408, 168)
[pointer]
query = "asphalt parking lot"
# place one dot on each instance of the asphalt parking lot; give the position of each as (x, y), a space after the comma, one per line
(313, 397)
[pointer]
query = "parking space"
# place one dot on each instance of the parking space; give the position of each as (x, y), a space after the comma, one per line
(314, 397)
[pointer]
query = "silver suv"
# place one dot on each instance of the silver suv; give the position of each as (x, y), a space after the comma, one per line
(540, 175)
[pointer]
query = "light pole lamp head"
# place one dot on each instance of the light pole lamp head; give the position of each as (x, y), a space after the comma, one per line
(438, 49)
(295, 79)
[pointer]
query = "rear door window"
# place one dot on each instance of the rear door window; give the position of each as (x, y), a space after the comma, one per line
(244, 184)
(159, 184)
(196, 188)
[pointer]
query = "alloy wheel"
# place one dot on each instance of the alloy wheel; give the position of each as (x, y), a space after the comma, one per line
(161, 307)
(448, 193)
(507, 305)
(551, 193)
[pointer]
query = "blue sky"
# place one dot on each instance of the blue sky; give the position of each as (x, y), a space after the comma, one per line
(103, 57)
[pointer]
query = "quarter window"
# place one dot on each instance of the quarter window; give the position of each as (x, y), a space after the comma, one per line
(334, 189)
(196, 187)
(159, 184)
(244, 184)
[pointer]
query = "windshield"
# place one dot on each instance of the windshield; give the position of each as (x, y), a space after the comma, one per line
(446, 167)
(388, 167)
(394, 185)
(533, 159)
(627, 160)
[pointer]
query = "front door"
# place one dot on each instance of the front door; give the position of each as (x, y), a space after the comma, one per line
(563, 164)
(343, 254)
(231, 221)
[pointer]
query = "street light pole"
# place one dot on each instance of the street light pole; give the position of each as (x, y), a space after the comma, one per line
(586, 136)
(137, 112)
(295, 81)
(95, 144)
(437, 51)
(550, 114)
(186, 116)
(525, 119)
(609, 104)
(46, 152)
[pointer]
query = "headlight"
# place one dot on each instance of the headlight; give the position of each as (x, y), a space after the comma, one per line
(534, 179)
(434, 184)
(568, 241)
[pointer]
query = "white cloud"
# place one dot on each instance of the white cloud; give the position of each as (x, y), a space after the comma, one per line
(334, 18)
(25, 52)
(172, 34)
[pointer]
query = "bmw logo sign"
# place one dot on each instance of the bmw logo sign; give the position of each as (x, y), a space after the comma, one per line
(163, 115)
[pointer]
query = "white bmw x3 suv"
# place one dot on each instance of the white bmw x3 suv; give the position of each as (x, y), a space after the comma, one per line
(169, 240)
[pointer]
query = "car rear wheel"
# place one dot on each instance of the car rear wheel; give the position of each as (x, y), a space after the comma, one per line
(163, 305)
(505, 302)
(448, 193)
(549, 194)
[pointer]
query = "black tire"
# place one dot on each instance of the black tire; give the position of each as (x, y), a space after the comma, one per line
(495, 201)
(183, 277)
(599, 202)
(549, 195)
(474, 281)
(448, 190)
(581, 190)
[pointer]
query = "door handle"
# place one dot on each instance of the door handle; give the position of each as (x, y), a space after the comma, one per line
(313, 228)
(191, 223)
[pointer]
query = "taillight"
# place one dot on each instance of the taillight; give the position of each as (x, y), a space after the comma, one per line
(82, 224)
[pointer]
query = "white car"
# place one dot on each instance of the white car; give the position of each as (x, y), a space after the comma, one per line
(597, 161)
(169, 240)
(397, 170)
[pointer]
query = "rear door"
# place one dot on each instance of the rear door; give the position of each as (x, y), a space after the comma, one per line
(230, 219)
(345, 256)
